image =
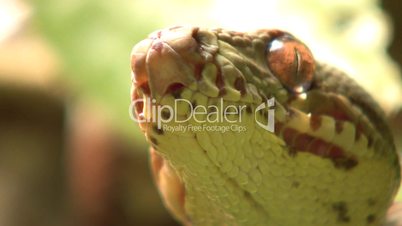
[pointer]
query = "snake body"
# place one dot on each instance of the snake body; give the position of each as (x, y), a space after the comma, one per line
(330, 160)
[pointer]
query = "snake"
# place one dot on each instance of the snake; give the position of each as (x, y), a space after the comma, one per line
(247, 128)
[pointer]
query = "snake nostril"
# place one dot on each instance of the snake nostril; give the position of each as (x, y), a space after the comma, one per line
(175, 89)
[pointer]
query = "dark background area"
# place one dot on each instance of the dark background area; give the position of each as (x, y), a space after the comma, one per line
(394, 9)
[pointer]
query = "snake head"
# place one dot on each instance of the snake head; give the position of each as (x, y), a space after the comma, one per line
(232, 65)
(331, 150)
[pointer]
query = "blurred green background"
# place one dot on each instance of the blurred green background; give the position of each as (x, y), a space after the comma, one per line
(69, 153)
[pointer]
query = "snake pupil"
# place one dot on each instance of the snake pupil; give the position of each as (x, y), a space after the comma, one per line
(291, 62)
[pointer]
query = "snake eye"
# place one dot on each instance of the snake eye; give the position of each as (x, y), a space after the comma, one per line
(291, 62)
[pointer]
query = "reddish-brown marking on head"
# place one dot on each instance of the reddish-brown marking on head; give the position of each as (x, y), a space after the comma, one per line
(338, 126)
(302, 142)
(222, 92)
(278, 128)
(320, 147)
(289, 134)
(315, 122)
(359, 131)
(338, 114)
(332, 105)
(240, 85)
(219, 79)
(335, 152)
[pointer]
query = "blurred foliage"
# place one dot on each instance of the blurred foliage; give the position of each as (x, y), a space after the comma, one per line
(94, 39)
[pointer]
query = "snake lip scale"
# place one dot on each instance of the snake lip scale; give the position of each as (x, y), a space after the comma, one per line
(331, 159)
